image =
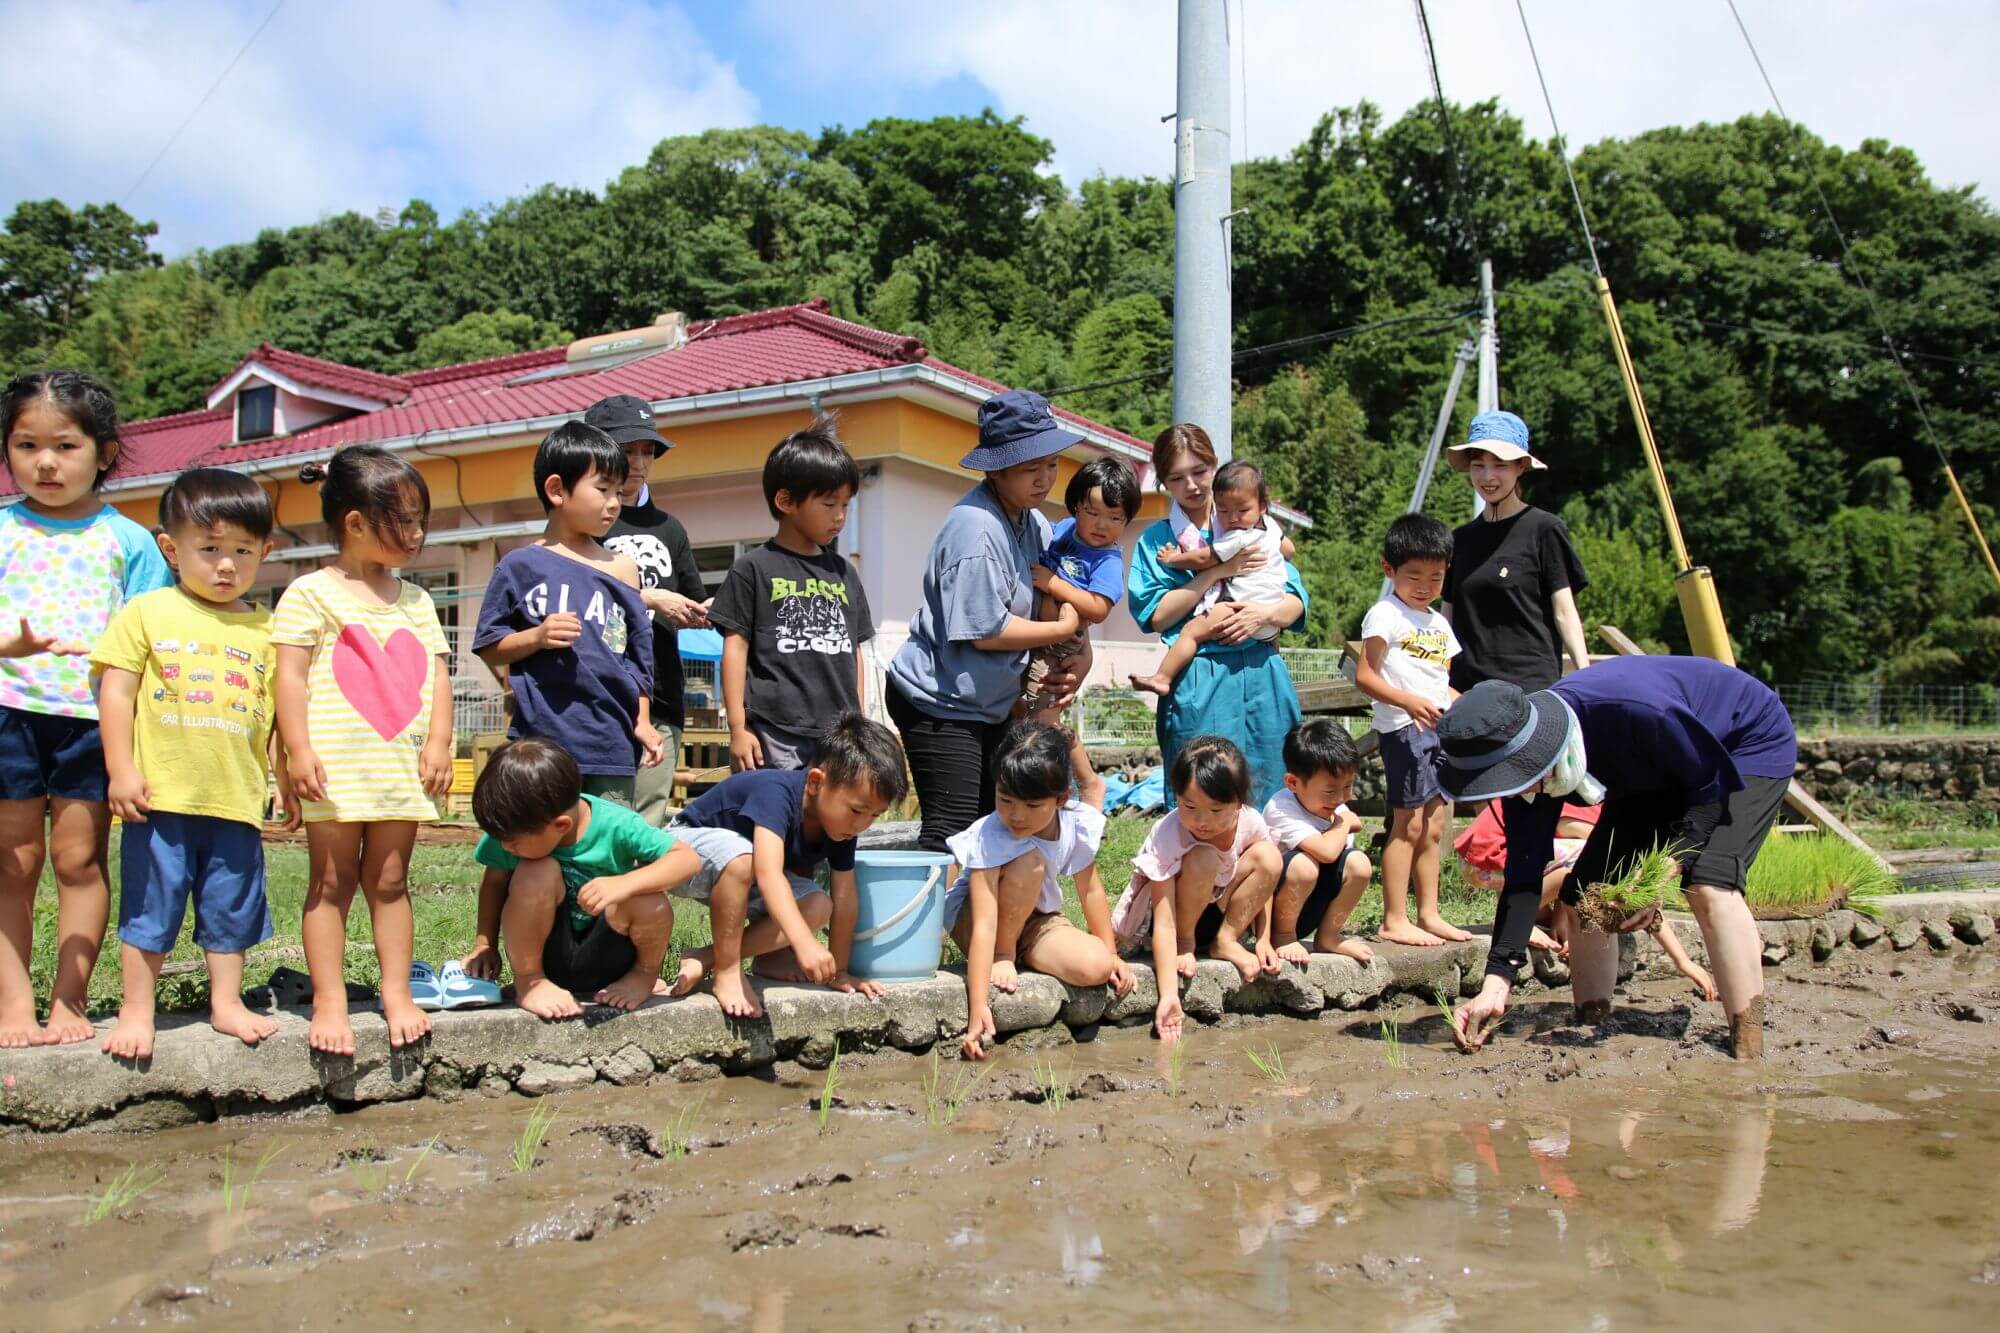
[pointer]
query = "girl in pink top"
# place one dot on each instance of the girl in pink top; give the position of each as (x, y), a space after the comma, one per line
(1204, 877)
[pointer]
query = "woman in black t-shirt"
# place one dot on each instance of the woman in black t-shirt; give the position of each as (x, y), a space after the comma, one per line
(1510, 593)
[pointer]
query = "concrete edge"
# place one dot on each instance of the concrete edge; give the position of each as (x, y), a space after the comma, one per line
(196, 1074)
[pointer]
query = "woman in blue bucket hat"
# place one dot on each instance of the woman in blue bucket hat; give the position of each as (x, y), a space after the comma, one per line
(1511, 591)
(953, 683)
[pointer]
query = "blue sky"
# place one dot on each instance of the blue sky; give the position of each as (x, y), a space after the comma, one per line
(366, 103)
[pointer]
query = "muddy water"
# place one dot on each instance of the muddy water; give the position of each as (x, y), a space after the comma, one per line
(1627, 1177)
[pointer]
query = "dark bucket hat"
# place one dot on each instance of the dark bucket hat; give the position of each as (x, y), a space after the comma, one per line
(1017, 427)
(1498, 740)
(628, 420)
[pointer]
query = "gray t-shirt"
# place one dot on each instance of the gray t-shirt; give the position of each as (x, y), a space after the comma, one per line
(977, 576)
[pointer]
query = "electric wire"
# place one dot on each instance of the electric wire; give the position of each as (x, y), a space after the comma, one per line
(175, 137)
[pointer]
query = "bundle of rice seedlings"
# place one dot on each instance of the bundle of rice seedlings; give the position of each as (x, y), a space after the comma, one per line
(1811, 874)
(1647, 879)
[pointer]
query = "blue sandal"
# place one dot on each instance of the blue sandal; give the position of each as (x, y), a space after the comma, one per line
(458, 989)
(424, 988)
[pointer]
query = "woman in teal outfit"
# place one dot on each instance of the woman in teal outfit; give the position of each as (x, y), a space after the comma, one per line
(1237, 686)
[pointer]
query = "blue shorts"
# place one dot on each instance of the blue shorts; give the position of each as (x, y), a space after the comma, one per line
(44, 755)
(218, 862)
(1410, 758)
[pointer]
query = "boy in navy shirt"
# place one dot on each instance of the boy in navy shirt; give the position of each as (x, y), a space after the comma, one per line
(1083, 567)
(792, 612)
(760, 836)
(564, 616)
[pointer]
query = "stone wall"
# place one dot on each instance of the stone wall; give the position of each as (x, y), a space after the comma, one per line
(1958, 774)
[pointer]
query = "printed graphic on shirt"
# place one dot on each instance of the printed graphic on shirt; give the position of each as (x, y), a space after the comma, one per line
(1428, 645)
(602, 611)
(1072, 570)
(649, 553)
(238, 709)
(811, 616)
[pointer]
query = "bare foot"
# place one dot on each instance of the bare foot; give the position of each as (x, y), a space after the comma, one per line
(330, 1031)
(231, 1020)
(1184, 963)
(1153, 684)
(1267, 958)
(1295, 953)
(20, 1029)
(630, 991)
(1541, 939)
(1348, 947)
(736, 995)
(1444, 930)
(780, 965)
(66, 1025)
(1403, 932)
(1006, 977)
(408, 1024)
(130, 1038)
(544, 999)
(1232, 951)
(694, 966)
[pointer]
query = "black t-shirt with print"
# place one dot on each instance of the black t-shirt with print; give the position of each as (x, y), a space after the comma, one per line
(1501, 589)
(658, 544)
(805, 616)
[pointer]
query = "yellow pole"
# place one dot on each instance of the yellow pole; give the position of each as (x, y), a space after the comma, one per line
(1693, 584)
(1972, 522)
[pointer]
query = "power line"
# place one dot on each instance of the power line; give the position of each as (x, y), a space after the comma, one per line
(1848, 265)
(1439, 318)
(1459, 204)
(1562, 144)
(176, 136)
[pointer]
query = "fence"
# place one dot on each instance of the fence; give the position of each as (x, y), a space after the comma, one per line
(1838, 706)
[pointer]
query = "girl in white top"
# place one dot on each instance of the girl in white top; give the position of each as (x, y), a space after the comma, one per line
(1006, 906)
(1204, 877)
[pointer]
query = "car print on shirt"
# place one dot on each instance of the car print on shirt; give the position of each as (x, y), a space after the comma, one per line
(162, 695)
(236, 654)
(166, 645)
(236, 679)
(203, 675)
(196, 648)
(171, 671)
(238, 706)
(201, 696)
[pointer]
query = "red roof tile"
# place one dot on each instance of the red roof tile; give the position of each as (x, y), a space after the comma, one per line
(787, 345)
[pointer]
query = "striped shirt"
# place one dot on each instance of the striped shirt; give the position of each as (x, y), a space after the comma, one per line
(369, 694)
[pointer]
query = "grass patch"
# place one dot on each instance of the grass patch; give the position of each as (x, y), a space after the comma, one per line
(121, 1192)
(1269, 1064)
(942, 1101)
(1810, 873)
(529, 1146)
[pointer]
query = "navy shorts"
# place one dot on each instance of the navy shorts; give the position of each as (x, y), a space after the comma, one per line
(1410, 758)
(218, 862)
(585, 964)
(44, 755)
(1313, 910)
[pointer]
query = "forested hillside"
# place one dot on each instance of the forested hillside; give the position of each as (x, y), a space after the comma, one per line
(1794, 451)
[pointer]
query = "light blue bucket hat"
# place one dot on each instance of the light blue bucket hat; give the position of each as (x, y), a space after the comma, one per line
(1501, 434)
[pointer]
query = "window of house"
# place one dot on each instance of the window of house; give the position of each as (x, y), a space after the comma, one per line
(442, 585)
(714, 561)
(256, 412)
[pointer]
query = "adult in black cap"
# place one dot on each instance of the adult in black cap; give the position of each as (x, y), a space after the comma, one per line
(953, 684)
(1681, 751)
(668, 581)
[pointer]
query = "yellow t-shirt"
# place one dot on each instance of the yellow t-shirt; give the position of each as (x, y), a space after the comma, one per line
(205, 713)
(368, 710)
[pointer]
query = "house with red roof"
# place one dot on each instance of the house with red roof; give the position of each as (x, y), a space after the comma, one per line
(724, 391)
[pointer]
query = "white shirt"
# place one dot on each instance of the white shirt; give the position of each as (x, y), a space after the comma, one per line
(988, 844)
(1291, 823)
(1421, 646)
(1263, 584)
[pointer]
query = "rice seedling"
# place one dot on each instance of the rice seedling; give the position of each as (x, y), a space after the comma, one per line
(1443, 1003)
(831, 1086)
(1053, 1082)
(236, 1198)
(529, 1145)
(1270, 1063)
(411, 1174)
(121, 1192)
(1645, 883)
(1176, 1062)
(678, 1135)
(942, 1103)
(369, 1177)
(1809, 874)
(1392, 1043)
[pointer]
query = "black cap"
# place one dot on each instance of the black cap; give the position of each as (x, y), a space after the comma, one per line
(628, 420)
(1499, 740)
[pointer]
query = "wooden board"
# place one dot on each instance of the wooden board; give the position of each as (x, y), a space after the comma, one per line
(1797, 797)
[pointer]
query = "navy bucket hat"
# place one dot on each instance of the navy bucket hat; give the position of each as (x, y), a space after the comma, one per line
(1501, 434)
(1498, 740)
(1017, 427)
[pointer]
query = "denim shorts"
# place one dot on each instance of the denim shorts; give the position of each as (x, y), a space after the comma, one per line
(217, 862)
(1410, 760)
(717, 848)
(42, 754)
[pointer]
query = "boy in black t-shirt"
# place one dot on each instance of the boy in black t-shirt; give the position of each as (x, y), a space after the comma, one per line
(792, 612)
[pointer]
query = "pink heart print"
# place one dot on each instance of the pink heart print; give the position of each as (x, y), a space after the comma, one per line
(384, 683)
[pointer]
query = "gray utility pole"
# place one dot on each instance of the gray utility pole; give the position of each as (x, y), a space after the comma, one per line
(1201, 226)
(1488, 398)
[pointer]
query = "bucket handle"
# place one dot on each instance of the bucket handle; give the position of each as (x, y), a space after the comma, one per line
(895, 918)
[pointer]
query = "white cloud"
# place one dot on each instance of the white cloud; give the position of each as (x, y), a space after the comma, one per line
(342, 106)
(1096, 77)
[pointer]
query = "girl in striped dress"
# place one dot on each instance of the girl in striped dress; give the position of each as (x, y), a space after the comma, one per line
(364, 703)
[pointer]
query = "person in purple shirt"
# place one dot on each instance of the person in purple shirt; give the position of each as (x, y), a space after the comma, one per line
(1679, 750)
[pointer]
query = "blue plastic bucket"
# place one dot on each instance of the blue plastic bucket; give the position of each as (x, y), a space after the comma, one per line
(899, 931)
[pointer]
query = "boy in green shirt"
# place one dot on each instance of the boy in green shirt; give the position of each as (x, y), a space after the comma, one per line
(577, 887)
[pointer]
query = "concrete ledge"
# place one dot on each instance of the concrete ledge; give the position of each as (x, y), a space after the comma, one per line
(197, 1074)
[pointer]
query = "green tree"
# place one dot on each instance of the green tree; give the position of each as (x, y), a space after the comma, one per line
(482, 334)
(51, 256)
